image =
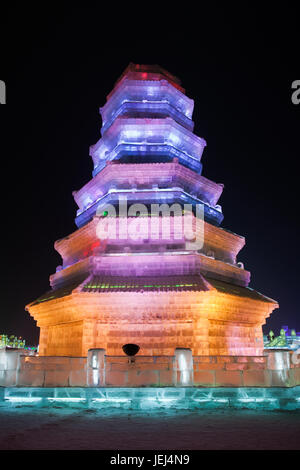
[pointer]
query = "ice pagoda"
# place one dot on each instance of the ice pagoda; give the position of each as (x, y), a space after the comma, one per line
(158, 293)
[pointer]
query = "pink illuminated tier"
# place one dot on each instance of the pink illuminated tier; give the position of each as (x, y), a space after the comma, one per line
(140, 285)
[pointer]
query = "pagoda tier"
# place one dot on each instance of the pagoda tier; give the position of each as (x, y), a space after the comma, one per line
(148, 183)
(149, 140)
(147, 98)
(139, 285)
(147, 197)
(216, 255)
(158, 313)
(146, 176)
(143, 72)
(154, 264)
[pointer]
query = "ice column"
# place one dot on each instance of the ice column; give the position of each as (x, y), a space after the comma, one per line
(184, 366)
(96, 367)
(279, 364)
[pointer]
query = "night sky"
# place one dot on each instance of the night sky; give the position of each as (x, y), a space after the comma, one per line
(238, 66)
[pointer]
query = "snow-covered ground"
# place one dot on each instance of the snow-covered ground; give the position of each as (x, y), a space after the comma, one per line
(60, 427)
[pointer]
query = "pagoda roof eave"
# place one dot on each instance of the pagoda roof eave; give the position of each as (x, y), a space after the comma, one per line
(101, 284)
(116, 170)
(240, 291)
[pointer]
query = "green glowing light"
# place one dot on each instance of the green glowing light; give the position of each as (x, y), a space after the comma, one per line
(134, 286)
(48, 298)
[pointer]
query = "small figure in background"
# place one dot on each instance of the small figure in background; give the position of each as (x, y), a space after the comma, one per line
(279, 341)
(271, 335)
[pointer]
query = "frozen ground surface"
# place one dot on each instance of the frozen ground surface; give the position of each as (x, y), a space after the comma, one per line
(59, 427)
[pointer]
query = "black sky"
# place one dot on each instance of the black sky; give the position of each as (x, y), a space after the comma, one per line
(237, 65)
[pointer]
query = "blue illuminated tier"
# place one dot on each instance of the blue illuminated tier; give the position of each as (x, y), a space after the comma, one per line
(147, 98)
(157, 196)
(148, 139)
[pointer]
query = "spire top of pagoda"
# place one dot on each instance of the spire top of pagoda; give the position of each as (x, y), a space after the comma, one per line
(148, 72)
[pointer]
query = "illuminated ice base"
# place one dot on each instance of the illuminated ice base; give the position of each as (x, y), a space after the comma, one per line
(188, 398)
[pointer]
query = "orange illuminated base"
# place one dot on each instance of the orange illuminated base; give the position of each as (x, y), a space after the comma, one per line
(209, 316)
